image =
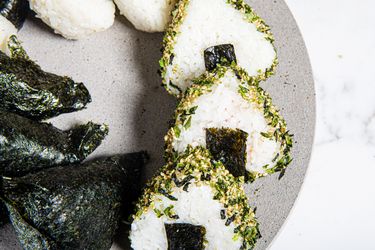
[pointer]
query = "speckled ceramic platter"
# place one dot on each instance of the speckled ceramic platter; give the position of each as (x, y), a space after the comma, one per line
(119, 66)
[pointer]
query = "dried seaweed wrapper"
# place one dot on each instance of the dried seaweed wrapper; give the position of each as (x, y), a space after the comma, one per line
(31, 92)
(185, 236)
(3, 214)
(219, 55)
(73, 207)
(228, 146)
(27, 145)
(15, 11)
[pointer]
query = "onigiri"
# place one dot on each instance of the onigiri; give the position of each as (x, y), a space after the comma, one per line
(145, 15)
(74, 19)
(194, 204)
(224, 99)
(197, 25)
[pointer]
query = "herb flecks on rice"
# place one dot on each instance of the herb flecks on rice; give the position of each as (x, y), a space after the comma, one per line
(196, 112)
(196, 170)
(258, 70)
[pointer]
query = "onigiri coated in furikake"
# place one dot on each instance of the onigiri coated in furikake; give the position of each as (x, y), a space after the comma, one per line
(72, 207)
(197, 25)
(224, 99)
(27, 145)
(202, 195)
(15, 11)
(29, 91)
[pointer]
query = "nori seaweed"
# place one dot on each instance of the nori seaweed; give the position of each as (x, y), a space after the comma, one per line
(15, 11)
(228, 146)
(27, 145)
(221, 54)
(73, 207)
(183, 236)
(31, 92)
(3, 214)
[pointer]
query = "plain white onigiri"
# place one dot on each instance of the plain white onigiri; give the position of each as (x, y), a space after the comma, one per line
(7, 29)
(224, 107)
(214, 22)
(147, 15)
(74, 19)
(195, 207)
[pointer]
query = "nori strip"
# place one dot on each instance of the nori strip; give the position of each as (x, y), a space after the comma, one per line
(3, 214)
(15, 11)
(183, 236)
(31, 92)
(73, 207)
(221, 54)
(228, 146)
(27, 145)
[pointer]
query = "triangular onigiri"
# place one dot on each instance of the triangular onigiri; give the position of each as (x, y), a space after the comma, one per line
(196, 194)
(224, 98)
(198, 25)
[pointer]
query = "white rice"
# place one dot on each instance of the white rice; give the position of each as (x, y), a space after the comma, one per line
(147, 15)
(225, 107)
(195, 207)
(7, 29)
(75, 19)
(214, 22)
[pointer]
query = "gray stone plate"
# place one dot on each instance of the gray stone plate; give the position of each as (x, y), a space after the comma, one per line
(119, 66)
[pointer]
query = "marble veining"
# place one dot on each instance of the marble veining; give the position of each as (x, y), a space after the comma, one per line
(335, 207)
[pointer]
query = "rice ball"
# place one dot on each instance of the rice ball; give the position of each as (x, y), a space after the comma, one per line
(74, 19)
(146, 15)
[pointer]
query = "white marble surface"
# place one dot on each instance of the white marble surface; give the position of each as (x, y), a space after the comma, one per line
(336, 207)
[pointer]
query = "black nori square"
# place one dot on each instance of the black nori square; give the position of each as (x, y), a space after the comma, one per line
(31, 92)
(15, 11)
(183, 236)
(73, 207)
(27, 145)
(228, 146)
(221, 54)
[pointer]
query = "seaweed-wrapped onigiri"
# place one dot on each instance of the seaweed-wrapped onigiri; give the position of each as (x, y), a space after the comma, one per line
(7, 30)
(27, 146)
(197, 25)
(72, 207)
(31, 92)
(145, 15)
(74, 19)
(223, 99)
(194, 204)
